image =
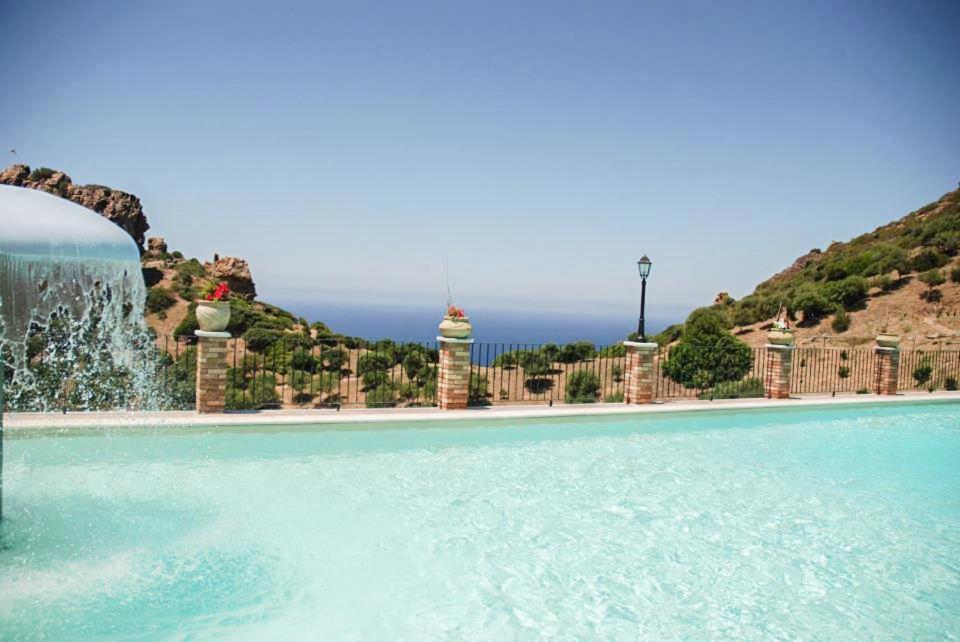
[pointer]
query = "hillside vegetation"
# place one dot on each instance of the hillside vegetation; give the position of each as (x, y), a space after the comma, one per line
(904, 276)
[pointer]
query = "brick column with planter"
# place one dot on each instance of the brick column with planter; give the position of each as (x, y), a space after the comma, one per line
(453, 375)
(779, 369)
(211, 371)
(638, 378)
(888, 364)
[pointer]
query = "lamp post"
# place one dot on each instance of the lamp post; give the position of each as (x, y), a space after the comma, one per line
(643, 265)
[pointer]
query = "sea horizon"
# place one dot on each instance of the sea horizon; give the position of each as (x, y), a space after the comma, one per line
(491, 325)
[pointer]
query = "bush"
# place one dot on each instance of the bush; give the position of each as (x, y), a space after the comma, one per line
(810, 300)
(928, 260)
(40, 174)
(582, 387)
(849, 292)
(843, 372)
(707, 354)
(577, 351)
(479, 391)
(189, 323)
(159, 299)
(923, 372)
(613, 351)
(955, 274)
(950, 383)
(303, 360)
(616, 397)
(750, 387)
(382, 395)
(841, 322)
(932, 278)
(259, 338)
(333, 358)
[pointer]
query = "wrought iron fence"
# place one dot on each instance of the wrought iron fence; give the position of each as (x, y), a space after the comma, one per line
(297, 371)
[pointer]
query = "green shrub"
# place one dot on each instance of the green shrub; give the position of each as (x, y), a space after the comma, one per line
(384, 394)
(811, 301)
(159, 299)
(613, 351)
(301, 359)
(750, 387)
(479, 390)
(932, 279)
(707, 354)
(955, 274)
(189, 324)
(841, 322)
(40, 174)
(849, 292)
(582, 387)
(950, 383)
(843, 372)
(928, 260)
(577, 351)
(923, 372)
(333, 358)
(259, 338)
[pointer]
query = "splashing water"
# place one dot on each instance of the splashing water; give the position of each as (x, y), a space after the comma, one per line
(72, 332)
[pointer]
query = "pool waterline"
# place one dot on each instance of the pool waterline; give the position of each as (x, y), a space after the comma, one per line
(830, 521)
(123, 419)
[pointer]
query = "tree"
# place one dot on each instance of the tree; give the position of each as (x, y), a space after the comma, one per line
(928, 260)
(841, 322)
(849, 292)
(707, 354)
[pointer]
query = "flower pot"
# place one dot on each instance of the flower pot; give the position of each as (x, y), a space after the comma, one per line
(780, 338)
(213, 316)
(455, 328)
(888, 340)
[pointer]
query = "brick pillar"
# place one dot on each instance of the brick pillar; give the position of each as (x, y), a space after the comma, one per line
(211, 371)
(638, 378)
(888, 370)
(453, 376)
(779, 368)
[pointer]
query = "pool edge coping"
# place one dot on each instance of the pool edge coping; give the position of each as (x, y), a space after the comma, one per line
(35, 421)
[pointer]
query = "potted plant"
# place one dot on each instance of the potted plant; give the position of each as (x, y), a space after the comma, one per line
(887, 340)
(213, 310)
(455, 324)
(781, 334)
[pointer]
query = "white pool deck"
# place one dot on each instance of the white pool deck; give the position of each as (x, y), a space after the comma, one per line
(28, 421)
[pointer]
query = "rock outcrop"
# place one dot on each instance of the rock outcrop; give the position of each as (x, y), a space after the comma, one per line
(157, 244)
(236, 272)
(121, 208)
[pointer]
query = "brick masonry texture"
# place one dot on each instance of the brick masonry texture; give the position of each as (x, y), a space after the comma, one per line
(453, 378)
(211, 374)
(638, 375)
(888, 370)
(779, 366)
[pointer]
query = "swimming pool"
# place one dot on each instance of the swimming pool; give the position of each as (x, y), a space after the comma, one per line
(824, 523)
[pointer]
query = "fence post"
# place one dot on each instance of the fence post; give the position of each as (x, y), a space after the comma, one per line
(453, 377)
(779, 369)
(638, 378)
(211, 371)
(888, 364)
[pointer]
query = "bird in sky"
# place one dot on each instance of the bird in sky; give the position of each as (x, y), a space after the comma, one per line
(13, 151)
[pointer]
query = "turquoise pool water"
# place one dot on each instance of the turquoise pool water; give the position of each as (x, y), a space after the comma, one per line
(815, 524)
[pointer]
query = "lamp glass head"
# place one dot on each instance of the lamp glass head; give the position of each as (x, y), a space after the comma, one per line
(644, 265)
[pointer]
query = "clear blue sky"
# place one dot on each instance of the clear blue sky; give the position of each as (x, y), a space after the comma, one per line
(344, 148)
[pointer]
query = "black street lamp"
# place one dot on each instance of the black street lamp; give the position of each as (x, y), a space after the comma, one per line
(643, 265)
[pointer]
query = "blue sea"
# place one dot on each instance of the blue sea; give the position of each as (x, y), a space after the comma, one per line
(490, 325)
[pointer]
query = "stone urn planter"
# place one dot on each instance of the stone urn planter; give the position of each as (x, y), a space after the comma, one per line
(455, 327)
(213, 316)
(781, 338)
(888, 340)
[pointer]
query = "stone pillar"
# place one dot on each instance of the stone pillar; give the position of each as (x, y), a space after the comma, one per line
(779, 369)
(888, 370)
(638, 378)
(211, 371)
(453, 376)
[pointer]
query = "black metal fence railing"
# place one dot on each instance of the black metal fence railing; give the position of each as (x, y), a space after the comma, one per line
(275, 370)
(834, 370)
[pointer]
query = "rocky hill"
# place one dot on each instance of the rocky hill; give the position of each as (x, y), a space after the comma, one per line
(174, 281)
(903, 277)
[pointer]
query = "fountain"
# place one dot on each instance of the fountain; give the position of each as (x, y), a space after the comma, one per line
(71, 308)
